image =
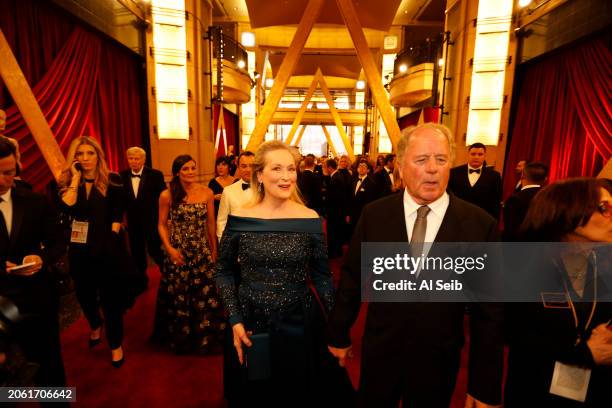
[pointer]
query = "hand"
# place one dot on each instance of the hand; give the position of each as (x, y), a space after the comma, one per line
(176, 257)
(240, 337)
(600, 344)
(471, 402)
(341, 354)
(73, 169)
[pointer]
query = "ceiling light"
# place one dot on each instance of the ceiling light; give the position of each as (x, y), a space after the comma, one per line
(247, 39)
(403, 68)
(441, 62)
(241, 64)
(360, 84)
(524, 3)
(269, 82)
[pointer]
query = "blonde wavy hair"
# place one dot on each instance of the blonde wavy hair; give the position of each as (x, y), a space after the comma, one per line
(102, 172)
(259, 162)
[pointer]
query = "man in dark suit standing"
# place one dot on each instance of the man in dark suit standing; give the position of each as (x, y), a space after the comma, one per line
(384, 177)
(337, 209)
(411, 351)
(515, 208)
(309, 184)
(142, 185)
(30, 234)
(364, 192)
(476, 183)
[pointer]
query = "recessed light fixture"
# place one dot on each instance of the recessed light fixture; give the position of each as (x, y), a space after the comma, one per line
(241, 64)
(247, 39)
(360, 84)
(524, 3)
(441, 62)
(403, 68)
(269, 82)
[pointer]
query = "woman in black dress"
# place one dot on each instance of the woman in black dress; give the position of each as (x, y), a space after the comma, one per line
(276, 246)
(568, 335)
(222, 180)
(92, 195)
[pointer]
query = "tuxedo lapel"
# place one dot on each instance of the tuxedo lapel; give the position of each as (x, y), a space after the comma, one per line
(395, 230)
(4, 237)
(18, 213)
(450, 223)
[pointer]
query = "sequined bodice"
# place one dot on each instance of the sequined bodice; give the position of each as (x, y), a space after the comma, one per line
(188, 226)
(274, 260)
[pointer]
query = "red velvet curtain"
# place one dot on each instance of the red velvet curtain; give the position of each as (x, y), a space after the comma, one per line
(564, 114)
(91, 87)
(231, 123)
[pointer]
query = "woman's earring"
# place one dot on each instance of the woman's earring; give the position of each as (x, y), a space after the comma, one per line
(260, 187)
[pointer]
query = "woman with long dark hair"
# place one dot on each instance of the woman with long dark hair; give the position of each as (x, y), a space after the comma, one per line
(562, 340)
(222, 179)
(92, 195)
(189, 316)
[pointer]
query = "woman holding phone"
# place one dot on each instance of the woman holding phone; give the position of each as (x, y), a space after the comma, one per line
(92, 195)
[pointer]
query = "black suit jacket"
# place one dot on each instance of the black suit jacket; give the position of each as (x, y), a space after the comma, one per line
(338, 196)
(416, 332)
(309, 184)
(486, 193)
(366, 194)
(515, 210)
(143, 210)
(34, 224)
(383, 183)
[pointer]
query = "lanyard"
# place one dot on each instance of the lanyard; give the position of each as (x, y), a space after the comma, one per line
(571, 303)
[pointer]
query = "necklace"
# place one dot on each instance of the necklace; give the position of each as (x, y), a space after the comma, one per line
(88, 180)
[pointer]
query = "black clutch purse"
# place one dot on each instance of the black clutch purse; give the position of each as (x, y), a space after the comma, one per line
(259, 358)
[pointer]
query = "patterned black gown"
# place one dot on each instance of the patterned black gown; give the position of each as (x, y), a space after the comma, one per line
(189, 316)
(268, 273)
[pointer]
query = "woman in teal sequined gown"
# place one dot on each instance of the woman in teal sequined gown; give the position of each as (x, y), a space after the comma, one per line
(189, 316)
(274, 280)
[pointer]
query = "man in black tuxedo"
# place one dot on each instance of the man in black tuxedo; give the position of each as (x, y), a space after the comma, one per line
(411, 351)
(309, 184)
(363, 192)
(476, 183)
(338, 193)
(384, 177)
(142, 185)
(515, 208)
(29, 233)
(518, 172)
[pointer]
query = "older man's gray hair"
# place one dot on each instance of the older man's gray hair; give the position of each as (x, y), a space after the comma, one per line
(409, 131)
(136, 150)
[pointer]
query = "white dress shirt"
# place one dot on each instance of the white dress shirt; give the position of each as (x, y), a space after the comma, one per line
(530, 186)
(232, 198)
(434, 217)
(136, 181)
(473, 177)
(6, 207)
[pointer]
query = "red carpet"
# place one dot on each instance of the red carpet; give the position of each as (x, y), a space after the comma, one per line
(153, 376)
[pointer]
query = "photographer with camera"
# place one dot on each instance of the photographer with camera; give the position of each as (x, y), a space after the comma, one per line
(30, 239)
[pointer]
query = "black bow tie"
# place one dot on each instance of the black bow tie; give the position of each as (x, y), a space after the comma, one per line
(474, 171)
(245, 186)
(135, 175)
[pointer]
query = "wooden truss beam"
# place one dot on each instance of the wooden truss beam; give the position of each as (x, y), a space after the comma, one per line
(335, 114)
(299, 138)
(329, 141)
(313, 8)
(30, 110)
(300, 114)
(381, 99)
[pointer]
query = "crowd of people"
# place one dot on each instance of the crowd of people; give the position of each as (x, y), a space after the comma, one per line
(245, 272)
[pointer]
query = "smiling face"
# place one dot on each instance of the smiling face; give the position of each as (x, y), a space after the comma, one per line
(279, 174)
(599, 226)
(87, 156)
(187, 174)
(425, 166)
